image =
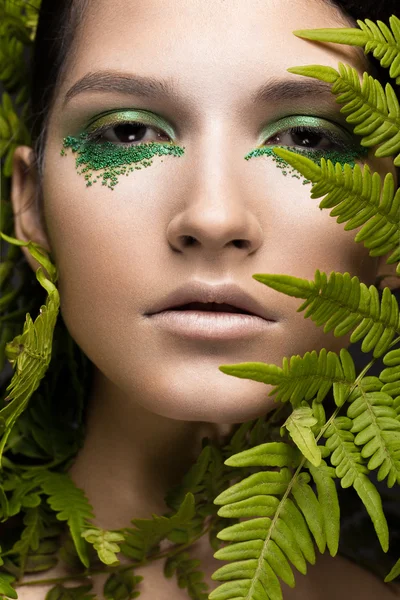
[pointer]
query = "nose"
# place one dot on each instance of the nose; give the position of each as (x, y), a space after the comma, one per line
(218, 214)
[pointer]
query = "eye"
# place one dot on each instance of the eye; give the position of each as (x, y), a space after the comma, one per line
(308, 138)
(129, 133)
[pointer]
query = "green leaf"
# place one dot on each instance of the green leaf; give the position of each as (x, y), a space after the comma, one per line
(5, 587)
(394, 572)
(351, 470)
(71, 505)
(188, 575)
(149, 532)
(121, 585)
(272, 454)
(375, 37)
(323, 477)
(105, 543)
(299, 426)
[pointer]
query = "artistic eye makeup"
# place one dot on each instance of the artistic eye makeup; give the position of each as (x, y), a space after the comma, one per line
(130, 125)
(312, 136)
(116, 145)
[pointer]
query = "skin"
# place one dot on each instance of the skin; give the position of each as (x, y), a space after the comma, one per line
(118, 252)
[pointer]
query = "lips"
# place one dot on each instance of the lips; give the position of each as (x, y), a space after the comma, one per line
(225, 296)
(212, 307)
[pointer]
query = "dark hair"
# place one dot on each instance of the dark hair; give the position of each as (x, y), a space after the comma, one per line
(57, 29)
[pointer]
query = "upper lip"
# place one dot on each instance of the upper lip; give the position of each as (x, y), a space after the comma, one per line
(221, 293)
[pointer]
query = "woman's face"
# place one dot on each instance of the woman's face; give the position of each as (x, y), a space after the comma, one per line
(121, 251)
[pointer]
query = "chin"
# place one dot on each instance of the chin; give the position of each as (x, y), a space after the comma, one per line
(224, 399)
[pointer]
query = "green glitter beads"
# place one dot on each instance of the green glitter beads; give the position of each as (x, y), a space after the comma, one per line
(112, 159)
(342, 156)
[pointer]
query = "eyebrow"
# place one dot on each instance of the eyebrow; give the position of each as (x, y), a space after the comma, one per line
(273, 90)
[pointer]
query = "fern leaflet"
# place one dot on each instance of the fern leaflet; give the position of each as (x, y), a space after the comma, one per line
(376, 37)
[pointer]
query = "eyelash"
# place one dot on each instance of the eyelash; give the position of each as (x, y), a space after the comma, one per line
(95, 136)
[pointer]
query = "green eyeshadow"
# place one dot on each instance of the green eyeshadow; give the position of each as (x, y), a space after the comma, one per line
(345, 146)
(349, 156)
(113, 160)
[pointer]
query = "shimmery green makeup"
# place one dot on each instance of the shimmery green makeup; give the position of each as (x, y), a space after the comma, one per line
(345, 147)
(115, 159)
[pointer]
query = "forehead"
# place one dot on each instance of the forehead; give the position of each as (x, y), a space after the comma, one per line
(212, 50)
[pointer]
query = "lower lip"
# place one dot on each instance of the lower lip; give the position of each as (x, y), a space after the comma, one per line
(208, 325)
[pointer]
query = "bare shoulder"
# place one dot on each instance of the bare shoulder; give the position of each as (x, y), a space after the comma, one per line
(342, 578)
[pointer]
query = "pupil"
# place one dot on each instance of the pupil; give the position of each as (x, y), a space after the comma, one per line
(306, 138)
(130, 133)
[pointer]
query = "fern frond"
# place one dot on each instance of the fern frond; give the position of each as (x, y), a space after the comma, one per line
(342, 303)
(105, 543)
(188, 575)
(30, 352)
(306, 376)
(377, 428)
(356, 194)
(352, 471)
(121, 586)
(373, 111)
(192, 482)
(71, 505)
(30, 536)
(277, 532)
(374, 37)
(149, 532)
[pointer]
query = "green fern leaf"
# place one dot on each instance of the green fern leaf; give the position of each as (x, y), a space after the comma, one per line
(391, 375)
(71, 505)
(30, 352)
(299, 425)
(374, 112)
(26, 494)
(149, 532)
(192, 482)
(394, 572)
(343, 303)
(121, 586)
(263, 548)
(356, 194)
(377, 428)
(278, 530)
(59, 592)
(188, 575)
(309, 505)
(272, 454)
(5, 587)
(30, 536)
(352, 471)
(105, 543)
(306, 375)
(374, 37)
(328, 500)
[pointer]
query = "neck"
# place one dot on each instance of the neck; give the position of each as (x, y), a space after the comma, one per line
(132, 457)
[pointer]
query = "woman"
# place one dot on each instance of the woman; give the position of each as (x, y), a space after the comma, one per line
(212, 78)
